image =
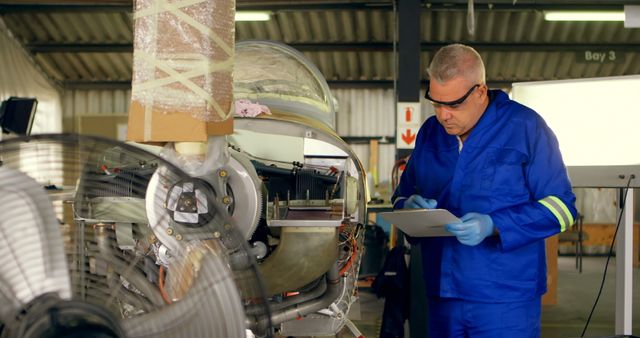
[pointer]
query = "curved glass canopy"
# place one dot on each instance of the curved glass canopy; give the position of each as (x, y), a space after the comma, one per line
(282, 78)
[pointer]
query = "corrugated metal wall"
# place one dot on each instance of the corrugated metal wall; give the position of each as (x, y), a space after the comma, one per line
(372, 113)
(517, 44)
(369, 112)
(76, 103)
(20, 77)
(362, 112)
(365, 112)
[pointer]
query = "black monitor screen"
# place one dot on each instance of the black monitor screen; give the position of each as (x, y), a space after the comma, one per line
(16, 115)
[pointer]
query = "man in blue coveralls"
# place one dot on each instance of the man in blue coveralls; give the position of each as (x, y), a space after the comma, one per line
(495, 164)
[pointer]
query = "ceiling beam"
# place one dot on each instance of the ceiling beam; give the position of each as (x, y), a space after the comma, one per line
(38, 48)
(388, 84)
(7, 6)
(127, 5)
(66, 2)
(358, 84)
(480, 46)
(96, 85)
(528, 6)
(79, 47)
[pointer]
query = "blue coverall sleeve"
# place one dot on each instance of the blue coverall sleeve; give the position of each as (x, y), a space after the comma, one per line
(551, 208)
(406, 188)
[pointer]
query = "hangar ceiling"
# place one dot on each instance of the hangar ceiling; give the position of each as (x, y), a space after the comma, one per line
(88, 44)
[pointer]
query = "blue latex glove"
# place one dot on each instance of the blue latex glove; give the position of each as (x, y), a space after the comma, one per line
(418, 202)
(474, 228)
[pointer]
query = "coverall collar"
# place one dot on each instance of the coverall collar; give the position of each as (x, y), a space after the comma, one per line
(496, 97)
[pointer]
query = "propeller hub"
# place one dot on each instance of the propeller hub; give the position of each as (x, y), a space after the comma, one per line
(189, 203)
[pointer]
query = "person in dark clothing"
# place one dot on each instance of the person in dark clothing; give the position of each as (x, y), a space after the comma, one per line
(392, 283)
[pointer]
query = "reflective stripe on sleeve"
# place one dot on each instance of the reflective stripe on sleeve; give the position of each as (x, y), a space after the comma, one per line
(559, 210)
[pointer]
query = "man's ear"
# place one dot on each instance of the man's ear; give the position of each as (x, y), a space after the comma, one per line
(484, 88)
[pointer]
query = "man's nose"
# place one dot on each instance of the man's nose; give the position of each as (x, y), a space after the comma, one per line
(444, 113)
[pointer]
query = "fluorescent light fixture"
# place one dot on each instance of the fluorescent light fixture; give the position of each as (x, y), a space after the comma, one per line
(584, 15)
(253, 16)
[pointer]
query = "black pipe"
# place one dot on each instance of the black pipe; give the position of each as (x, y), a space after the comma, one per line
(334, 288)
(314, 293)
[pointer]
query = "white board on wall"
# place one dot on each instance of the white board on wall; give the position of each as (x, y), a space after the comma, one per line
(597, 122)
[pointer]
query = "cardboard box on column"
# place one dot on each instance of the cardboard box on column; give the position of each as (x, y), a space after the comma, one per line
(182, 87)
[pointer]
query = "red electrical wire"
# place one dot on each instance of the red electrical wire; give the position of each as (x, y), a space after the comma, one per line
(351, 259)
(163, 292)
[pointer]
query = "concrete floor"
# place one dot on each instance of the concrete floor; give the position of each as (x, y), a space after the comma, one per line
(576, 294)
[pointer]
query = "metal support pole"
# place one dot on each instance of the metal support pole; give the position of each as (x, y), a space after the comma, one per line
(624, 262)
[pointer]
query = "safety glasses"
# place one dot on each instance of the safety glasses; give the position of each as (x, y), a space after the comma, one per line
(453, 103)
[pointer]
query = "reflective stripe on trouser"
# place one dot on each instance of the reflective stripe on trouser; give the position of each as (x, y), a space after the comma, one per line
(559, 210)
(456, 318)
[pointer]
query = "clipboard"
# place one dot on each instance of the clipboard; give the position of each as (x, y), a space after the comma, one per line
(421, 222)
